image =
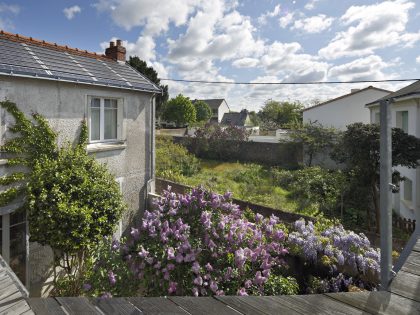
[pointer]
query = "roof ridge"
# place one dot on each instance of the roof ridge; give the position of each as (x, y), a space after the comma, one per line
(42, 43)
(346, 95)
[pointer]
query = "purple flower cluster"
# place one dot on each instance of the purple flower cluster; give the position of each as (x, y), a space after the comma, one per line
(335, 246)
(202, 244)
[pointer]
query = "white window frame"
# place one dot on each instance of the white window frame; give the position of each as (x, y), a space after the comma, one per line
(399, 122)
(102, 119)
(408, 190)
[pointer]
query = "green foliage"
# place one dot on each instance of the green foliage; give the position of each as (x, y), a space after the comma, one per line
(275, 115)
(315, 186)
(173, 160)
(180, 110)
(358, 150)
(72, 200)
(279, 285)
(142, 67)
(315, 138)
(203, 111)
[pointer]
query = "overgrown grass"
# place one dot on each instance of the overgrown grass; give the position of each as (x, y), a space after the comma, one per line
(249, 182)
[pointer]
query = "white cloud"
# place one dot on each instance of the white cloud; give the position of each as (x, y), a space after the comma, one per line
(262, 19)
(7, 10)
(313, 24)
(285, 20)
(371, 27)
(71, 12)
(418, 59)
(245, 62)
(366, 68)
(146, 13)
(311, 4)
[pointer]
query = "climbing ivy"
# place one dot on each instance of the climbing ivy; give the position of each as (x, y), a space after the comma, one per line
(73, 202)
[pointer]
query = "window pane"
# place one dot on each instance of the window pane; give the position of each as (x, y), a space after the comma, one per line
(18, 250)
(95, 103)
(110, 131)
(94, 124)
(405, 121)
(110, 103)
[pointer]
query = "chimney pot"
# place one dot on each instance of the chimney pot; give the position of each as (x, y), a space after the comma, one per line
(116, 52)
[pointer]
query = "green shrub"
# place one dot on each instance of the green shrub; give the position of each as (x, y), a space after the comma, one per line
(173, 160)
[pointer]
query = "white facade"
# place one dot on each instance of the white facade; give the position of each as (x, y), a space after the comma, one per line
(344, 110)
(407, 201)
(223, 108)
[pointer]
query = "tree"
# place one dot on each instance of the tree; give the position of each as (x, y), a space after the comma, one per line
(255, 119)
(276, 114)
(142, 67)
(359, 150)
(72, 200)
(315, 138)
(180, 110)
(202, 110)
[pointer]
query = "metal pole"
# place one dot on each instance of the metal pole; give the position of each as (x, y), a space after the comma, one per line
(385, 193)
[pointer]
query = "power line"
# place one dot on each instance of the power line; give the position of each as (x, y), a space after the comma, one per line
(288, 83)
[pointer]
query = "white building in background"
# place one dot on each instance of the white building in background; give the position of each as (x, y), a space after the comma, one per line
(344, 110)
(218, 106)
(405, 114)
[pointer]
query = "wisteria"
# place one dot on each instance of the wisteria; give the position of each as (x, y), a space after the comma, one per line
(202, 244)
(334, 246)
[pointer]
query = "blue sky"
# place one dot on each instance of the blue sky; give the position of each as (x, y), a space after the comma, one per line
(228, 40)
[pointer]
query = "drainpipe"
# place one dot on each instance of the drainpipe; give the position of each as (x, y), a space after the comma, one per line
(152, 155)
(385, 192)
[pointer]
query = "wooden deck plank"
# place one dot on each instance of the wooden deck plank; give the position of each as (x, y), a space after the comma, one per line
(412, 264)
(378, 302)
(407, 285)
(316, 304)
(203, 305)
(417, 246)
(156, 305)
(45, 306)
(77, 305)
(116, 306)
(258, 305)
(15, 307)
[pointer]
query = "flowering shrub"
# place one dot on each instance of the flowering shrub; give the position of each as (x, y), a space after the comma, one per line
(201, 244)
(336, 247)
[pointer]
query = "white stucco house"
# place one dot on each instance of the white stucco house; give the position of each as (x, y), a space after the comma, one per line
(344, 110)
(218, 107)
(66, 86)
(405, 114)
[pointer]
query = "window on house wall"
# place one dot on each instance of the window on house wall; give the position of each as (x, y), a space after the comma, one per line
(408, 190)
(402, 120)
(104, 119)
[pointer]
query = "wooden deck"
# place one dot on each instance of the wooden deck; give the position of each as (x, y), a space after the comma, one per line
(403, 297)
(12, 292)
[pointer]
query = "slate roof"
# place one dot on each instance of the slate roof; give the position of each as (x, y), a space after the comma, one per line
(235, 119)
(347, 95)
(213, 103)
(27, 57)
(410, 90)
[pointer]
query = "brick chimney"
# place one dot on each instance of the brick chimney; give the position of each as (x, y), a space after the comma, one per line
(116, 52)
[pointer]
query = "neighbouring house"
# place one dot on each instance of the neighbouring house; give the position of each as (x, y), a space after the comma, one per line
(405, 114)
(67, 85)
(218, 108)
(344, 110)
(241, 119)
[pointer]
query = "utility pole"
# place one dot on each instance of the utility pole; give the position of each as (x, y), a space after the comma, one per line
(385, 193)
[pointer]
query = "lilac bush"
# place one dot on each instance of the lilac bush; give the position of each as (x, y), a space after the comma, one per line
(202, 244)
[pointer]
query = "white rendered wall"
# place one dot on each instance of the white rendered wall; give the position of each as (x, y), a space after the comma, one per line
(223, 108)
(345, 111)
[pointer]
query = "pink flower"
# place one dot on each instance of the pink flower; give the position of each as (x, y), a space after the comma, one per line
(135, 233)
(111, 278)
(198, 281)
(172, 287)
(171, 253)
(209, 267)
(196, 267)
(242, 292)
(195, 291)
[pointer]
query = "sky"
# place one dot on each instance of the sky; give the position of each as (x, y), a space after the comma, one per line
(235, 40)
